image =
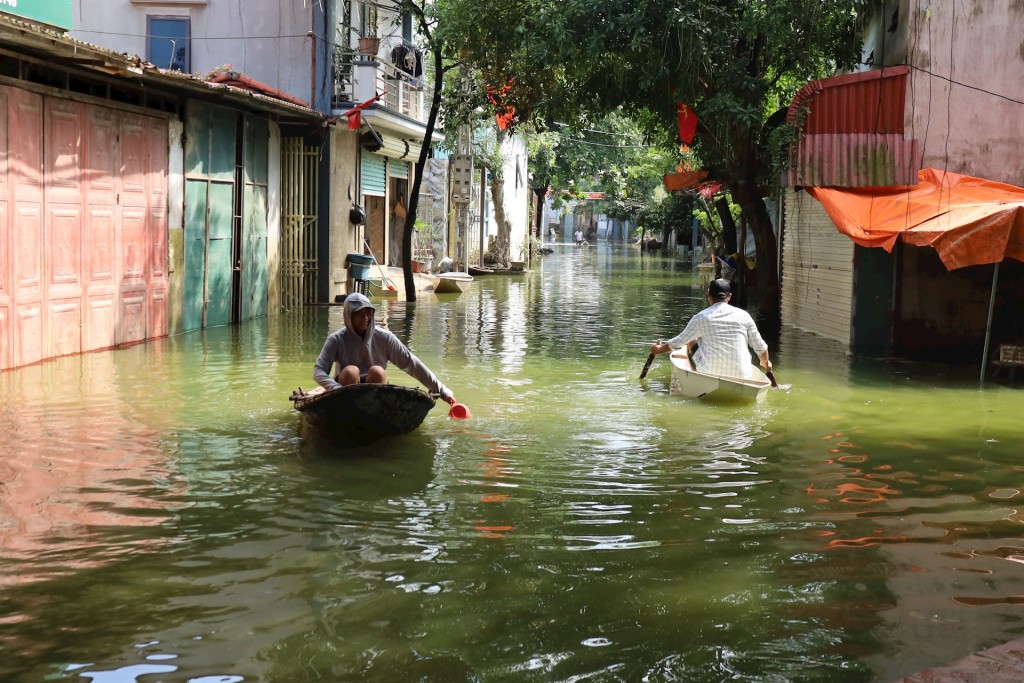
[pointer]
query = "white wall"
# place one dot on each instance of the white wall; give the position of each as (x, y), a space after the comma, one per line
(517, 195)
(264, 39)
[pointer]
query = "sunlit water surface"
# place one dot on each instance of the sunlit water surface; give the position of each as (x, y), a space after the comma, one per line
(164, 517)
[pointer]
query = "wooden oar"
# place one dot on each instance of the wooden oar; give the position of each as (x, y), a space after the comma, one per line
(771, 378)
(647, 366)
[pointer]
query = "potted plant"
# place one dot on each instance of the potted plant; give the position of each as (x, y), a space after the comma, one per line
(369, 42)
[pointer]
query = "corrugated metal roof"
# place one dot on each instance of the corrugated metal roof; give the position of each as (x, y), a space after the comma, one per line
(851, 132)
(864, 102)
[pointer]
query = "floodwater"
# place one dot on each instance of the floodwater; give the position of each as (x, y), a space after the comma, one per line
(163, 517)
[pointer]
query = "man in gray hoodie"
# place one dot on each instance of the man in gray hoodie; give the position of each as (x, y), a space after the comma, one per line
(362, 352)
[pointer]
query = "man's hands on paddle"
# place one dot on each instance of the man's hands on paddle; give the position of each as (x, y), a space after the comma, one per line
(659, 347)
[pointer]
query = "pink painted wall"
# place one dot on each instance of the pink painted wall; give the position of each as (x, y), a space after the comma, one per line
(965, 97)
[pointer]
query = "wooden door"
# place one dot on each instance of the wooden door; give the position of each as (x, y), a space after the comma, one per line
(25, 161)
(5, 239)
(100, 229)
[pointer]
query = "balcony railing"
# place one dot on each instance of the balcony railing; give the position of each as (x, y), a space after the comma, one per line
(359, 77)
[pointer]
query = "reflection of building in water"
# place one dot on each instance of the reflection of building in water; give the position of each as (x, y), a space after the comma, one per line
(73, 467)
(824, 356)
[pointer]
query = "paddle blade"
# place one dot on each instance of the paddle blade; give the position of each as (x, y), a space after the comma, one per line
(647, 366)
(771, 378)
(459, 411)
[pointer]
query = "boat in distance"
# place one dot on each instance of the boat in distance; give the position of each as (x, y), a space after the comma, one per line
(451, 283)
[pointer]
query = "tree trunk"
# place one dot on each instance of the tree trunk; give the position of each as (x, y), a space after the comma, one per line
(728, 225)
(498, 254)
(540, 193)
(746, 194)
(421, 163)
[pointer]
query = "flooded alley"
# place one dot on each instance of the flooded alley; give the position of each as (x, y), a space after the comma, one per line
(164, 516)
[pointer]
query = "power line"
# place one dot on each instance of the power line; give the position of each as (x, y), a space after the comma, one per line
(599, 144)
(965, 85)
(192, 38)
(601, 132)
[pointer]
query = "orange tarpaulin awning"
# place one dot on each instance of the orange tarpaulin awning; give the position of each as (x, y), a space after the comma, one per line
(684, 180)
(968, 221)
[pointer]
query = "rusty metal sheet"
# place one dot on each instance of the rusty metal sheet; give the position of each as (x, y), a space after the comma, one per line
(853, 160)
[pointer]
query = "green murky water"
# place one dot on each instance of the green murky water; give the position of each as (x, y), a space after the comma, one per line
(164, 518)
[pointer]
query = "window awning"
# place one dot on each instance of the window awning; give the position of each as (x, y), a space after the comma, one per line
(968, 221)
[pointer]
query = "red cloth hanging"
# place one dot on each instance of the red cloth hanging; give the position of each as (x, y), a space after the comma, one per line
(355, 118)
(687, 123)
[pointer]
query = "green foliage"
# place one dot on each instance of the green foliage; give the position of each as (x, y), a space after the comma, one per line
(671, 213)
(736, 62)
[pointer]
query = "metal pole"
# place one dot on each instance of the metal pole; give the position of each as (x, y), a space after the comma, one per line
(483, 212)
(988, 325)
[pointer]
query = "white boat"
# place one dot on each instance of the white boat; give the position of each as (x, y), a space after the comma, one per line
(450, 283)
(692, 383)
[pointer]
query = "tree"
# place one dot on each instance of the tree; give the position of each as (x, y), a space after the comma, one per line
(736, 63)
(422, 13)
(487, 152)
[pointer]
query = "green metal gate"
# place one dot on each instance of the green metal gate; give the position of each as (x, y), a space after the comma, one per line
(210, 135)
(226, 198)
(254, 219)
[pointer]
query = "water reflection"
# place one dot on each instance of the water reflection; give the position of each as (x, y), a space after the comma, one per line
(857, 526)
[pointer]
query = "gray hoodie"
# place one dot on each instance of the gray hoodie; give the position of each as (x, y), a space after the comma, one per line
(378, 347)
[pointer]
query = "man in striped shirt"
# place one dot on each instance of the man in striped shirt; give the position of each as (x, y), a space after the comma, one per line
(724, 332)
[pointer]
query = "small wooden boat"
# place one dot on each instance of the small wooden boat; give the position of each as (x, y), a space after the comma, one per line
(692, 383)
(364, 410)
(451, 283)
(480, 270)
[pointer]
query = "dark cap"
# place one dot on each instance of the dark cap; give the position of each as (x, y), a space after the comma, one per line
(719, 289)
(357, 302)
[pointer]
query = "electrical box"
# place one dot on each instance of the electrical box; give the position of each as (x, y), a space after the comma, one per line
(462, 178)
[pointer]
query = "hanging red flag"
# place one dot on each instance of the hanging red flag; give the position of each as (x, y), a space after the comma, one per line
(687, 123)
(355, 118)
